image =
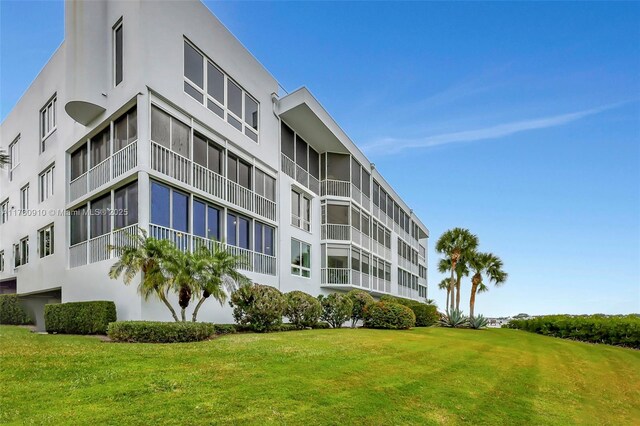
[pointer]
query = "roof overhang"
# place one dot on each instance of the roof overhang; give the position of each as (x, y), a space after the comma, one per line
(83, 112)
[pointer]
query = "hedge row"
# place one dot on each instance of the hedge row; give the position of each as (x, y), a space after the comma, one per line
(79, 317)
(389, 315)
(426, 315)
(623, 330)
(11, 313)
(159, 332)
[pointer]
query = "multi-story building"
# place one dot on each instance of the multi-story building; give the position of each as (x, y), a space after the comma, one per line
(153, 115)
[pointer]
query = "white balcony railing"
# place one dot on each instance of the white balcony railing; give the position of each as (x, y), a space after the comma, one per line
(346, 276)
(336, 232)
(170, 163)
(102, 173)
(98, 248)
(302, 176)
(336, 188)
(339, 276)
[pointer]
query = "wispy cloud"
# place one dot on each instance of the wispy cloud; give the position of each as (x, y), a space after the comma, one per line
(395, 145)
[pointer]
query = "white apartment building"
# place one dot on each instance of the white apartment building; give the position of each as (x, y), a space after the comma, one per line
(156, 109)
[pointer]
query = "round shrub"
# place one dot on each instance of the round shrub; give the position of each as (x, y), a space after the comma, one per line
(360, 300)
(11, 311)
(259, 306)
(426, 315)
(336, 309)
(303, 310)
(389, 315)
(159, 332)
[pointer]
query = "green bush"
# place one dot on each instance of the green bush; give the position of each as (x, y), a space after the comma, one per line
(225, 328)
(260, 306)
(321, 325)
(389, 315)
(303, 310)
(622, 330)
(360, 300)
(79, 317)
(159, 332)
(426, 315)
(11, 313)
(336, 309)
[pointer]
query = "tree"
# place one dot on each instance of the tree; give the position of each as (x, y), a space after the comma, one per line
(4, 159)
(489, 265)
(455, 244)
(148, 256)
(218, 275)
(445, 284)
(462, 270)
(183, 268)
(360, 299)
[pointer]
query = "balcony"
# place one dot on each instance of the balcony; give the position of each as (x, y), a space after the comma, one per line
(349, 233)
(345, 278)
(98, 249)
(303, 177)
(102, 173)
(174, 165)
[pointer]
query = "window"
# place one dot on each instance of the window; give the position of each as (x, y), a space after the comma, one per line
(21, 252)
(45, 183)
(338, 214)
(300, 258)
(125, 204)
(338, 257)
(2, 261)
(338, 167)
(205, 82)
(264, 238)
(100, 147)
(366, 183)
(117, 53)
(300, 211)
(24, 198)
(206, 220)
(4, 211)
(207, 153)
(169, 132)
(14, 153)
(79, 162)
(265, 185)
(125, 129)
(47, 120)
(287, 141)
(238, 231)
(239, 171)
(45, 241)
(355, 173)
(78, 225)
(180, 211)
(100, 218)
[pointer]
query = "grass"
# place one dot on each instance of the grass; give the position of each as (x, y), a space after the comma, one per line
(373, 377)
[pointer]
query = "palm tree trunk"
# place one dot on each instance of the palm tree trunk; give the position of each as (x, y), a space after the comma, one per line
(452, 284)
(458, 292)
(448, 294)
(183, 314)
(475, 282)
(197, 308)
(166, 302)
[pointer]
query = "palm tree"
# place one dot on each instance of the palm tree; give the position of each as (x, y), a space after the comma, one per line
(148, 256)
(218, 276)
(445, 284)
(4, 159)
(455, 244)
(489, 265)
(462, 270)
(183, 268)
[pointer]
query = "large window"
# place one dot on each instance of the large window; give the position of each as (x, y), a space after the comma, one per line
(47, 120)
(338, 166)
(300, 210)
(21, 252)
(207, 153)
(238, 231)
(78, 225)
(338, 214)
(100, 147)
(169, 132)
(265, 185)
(125, 205)
(125, 129)
(208, 84)
(206, 220)
(239, 171)
(79, 162)
(45, 241)
(338, 257)
(264, 238)
(300, 258)
(45, 183)
(100, 217)
(118, 53)
(24, 198)
(4, 211)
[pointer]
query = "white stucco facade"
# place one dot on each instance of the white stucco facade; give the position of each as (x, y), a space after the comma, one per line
(141, 138)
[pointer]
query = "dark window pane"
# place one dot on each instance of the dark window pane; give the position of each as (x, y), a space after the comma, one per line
(215, 83)
(269, 240)
(366, 183)
(243, 233)
(232, 169)
(79, 162)
(234, 94)
(314, 163)
(160, 205)
(132, 123)
(250, 112)
(78, 225)
(270, 188)
(338, 166)
(200, 150)
(306, 256)
(287, 141)
(126, 200)
(191, 91)
(180, 138)
(231, 229)
(355, 173)
(118, 55)
(160, 124)
(376, 193)
(337, 214)
(193, 65)
(252, 135)
(180, 211)
(295, 253)
(100, 218)
(301, 152)
(100, 149)
(215, 158)
(120, 133)
(215, 108)
(199, 219)
(244, 174)
(258, 237)
(213, 223)
(235, 123)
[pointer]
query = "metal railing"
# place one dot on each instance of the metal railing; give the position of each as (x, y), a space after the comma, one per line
(336, 232)
(336, 188)
(98, 248)
(302, 176)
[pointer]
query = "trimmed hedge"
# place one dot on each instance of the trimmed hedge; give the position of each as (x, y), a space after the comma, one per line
(336, 309)
(79, 317)
(11, 313)
(225, 329)
(622, 330)
(360, 300)
(303, 310)
(426, 315)
(260, 306)
(160, 332)
(389, 315)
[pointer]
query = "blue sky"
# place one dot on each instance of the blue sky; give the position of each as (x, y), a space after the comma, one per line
(519, 121)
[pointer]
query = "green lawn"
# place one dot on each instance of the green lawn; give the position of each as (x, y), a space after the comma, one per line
(377, 377)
